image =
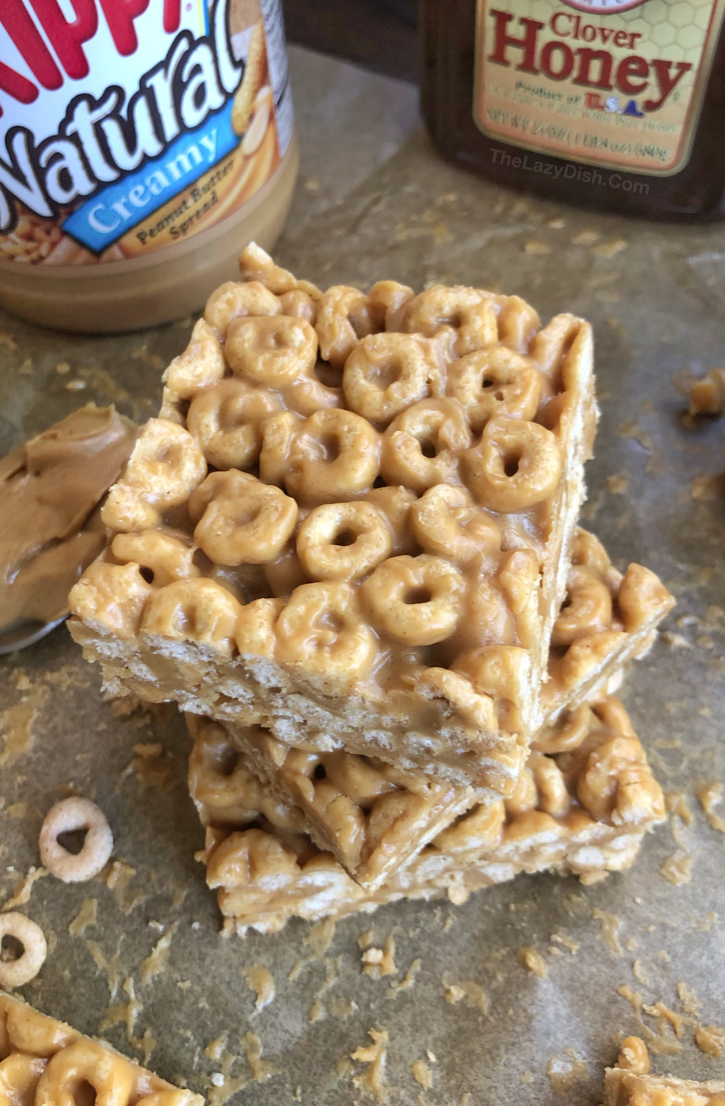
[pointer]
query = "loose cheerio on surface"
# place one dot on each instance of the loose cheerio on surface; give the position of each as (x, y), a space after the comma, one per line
(141, 149)
(611, 104)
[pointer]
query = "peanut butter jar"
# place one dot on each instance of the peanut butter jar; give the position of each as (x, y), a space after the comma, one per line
(142, 147)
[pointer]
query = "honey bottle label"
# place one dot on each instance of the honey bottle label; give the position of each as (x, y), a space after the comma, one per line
(135, 125)
(611, 83)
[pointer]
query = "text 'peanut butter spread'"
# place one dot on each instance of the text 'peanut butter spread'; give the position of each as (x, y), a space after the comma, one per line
(49, 527)
(141, 147)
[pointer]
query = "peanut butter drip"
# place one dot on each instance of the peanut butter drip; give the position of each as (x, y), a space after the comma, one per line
(50, 530)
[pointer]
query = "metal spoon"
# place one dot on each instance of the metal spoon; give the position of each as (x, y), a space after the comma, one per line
(26, 633)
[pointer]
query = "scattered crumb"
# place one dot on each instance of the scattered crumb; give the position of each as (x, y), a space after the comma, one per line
(152, 359)
(26, 369)
(611, 248)
(62, 368)
(155, 963)
(320, 937)
(75, 385)
(407, 981)
(150, 769)
(533, 961)
(223, 1083)
(117, 877)
(342, 1008)
(707, 396)
(472, 992)
(610, 930)
(633, 430)
(675, 641)
(585, 238)
(568, 942)
(380, 962)
(86, 917)
(639, 973)
(677, 869)
(111, 966)
(678, 805)
(17, 723)
(126, 1013)
(710, 796)
(527, 1078)
(261, 1069)
(422, 1074)
(566, 1070)
(664, 1014)
(618, 485)
(663, 956)
(23, 888)
(365, 939)
(215, 1048)
(690, 1002)
(710, 1039)
(373, 1079)
(534, 247)
(707, 485)
(259, 980)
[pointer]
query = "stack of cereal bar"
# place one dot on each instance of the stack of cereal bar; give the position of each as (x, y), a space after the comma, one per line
(349, 550)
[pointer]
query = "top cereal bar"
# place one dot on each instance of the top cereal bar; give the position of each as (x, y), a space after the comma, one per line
(354, 518)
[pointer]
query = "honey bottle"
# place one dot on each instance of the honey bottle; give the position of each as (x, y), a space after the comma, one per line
(613, 104)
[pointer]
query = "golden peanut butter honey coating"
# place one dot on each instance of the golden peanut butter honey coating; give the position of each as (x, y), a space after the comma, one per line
(371, 816)
(582, 808)
(365, 504)
(607, 619)
(631, 1084)
(43, 1062)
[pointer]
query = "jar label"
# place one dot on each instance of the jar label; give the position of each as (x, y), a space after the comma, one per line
(127, 126)
(615, 83)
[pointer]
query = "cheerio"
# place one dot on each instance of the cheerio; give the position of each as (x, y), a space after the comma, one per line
(142, 146)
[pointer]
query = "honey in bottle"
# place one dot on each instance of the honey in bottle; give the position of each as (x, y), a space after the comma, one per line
(613, 104)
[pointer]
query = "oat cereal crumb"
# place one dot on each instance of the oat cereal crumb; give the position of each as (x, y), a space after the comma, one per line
(677, 869)
(618, 484)
(380, 962)
(610, 930)
(374, 1056)
(566, 1070)
(422, 1074)
(260, 981)
(710, 796)
(533, 961)
(710, 1039)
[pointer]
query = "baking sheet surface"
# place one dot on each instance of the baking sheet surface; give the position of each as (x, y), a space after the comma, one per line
(150, 971)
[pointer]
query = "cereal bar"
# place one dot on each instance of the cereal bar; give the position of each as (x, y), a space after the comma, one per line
(370, 816)
(354, 518)
(45, 1061)
(581, 805)
(630, 1084)
(606, 620)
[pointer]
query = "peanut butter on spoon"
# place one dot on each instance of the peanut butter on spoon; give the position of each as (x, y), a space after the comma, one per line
(50, 528)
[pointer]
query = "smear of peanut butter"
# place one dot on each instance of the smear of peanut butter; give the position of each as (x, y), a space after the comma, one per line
(50, 529)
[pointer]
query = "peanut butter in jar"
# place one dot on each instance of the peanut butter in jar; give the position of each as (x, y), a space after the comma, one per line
(142, 147)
